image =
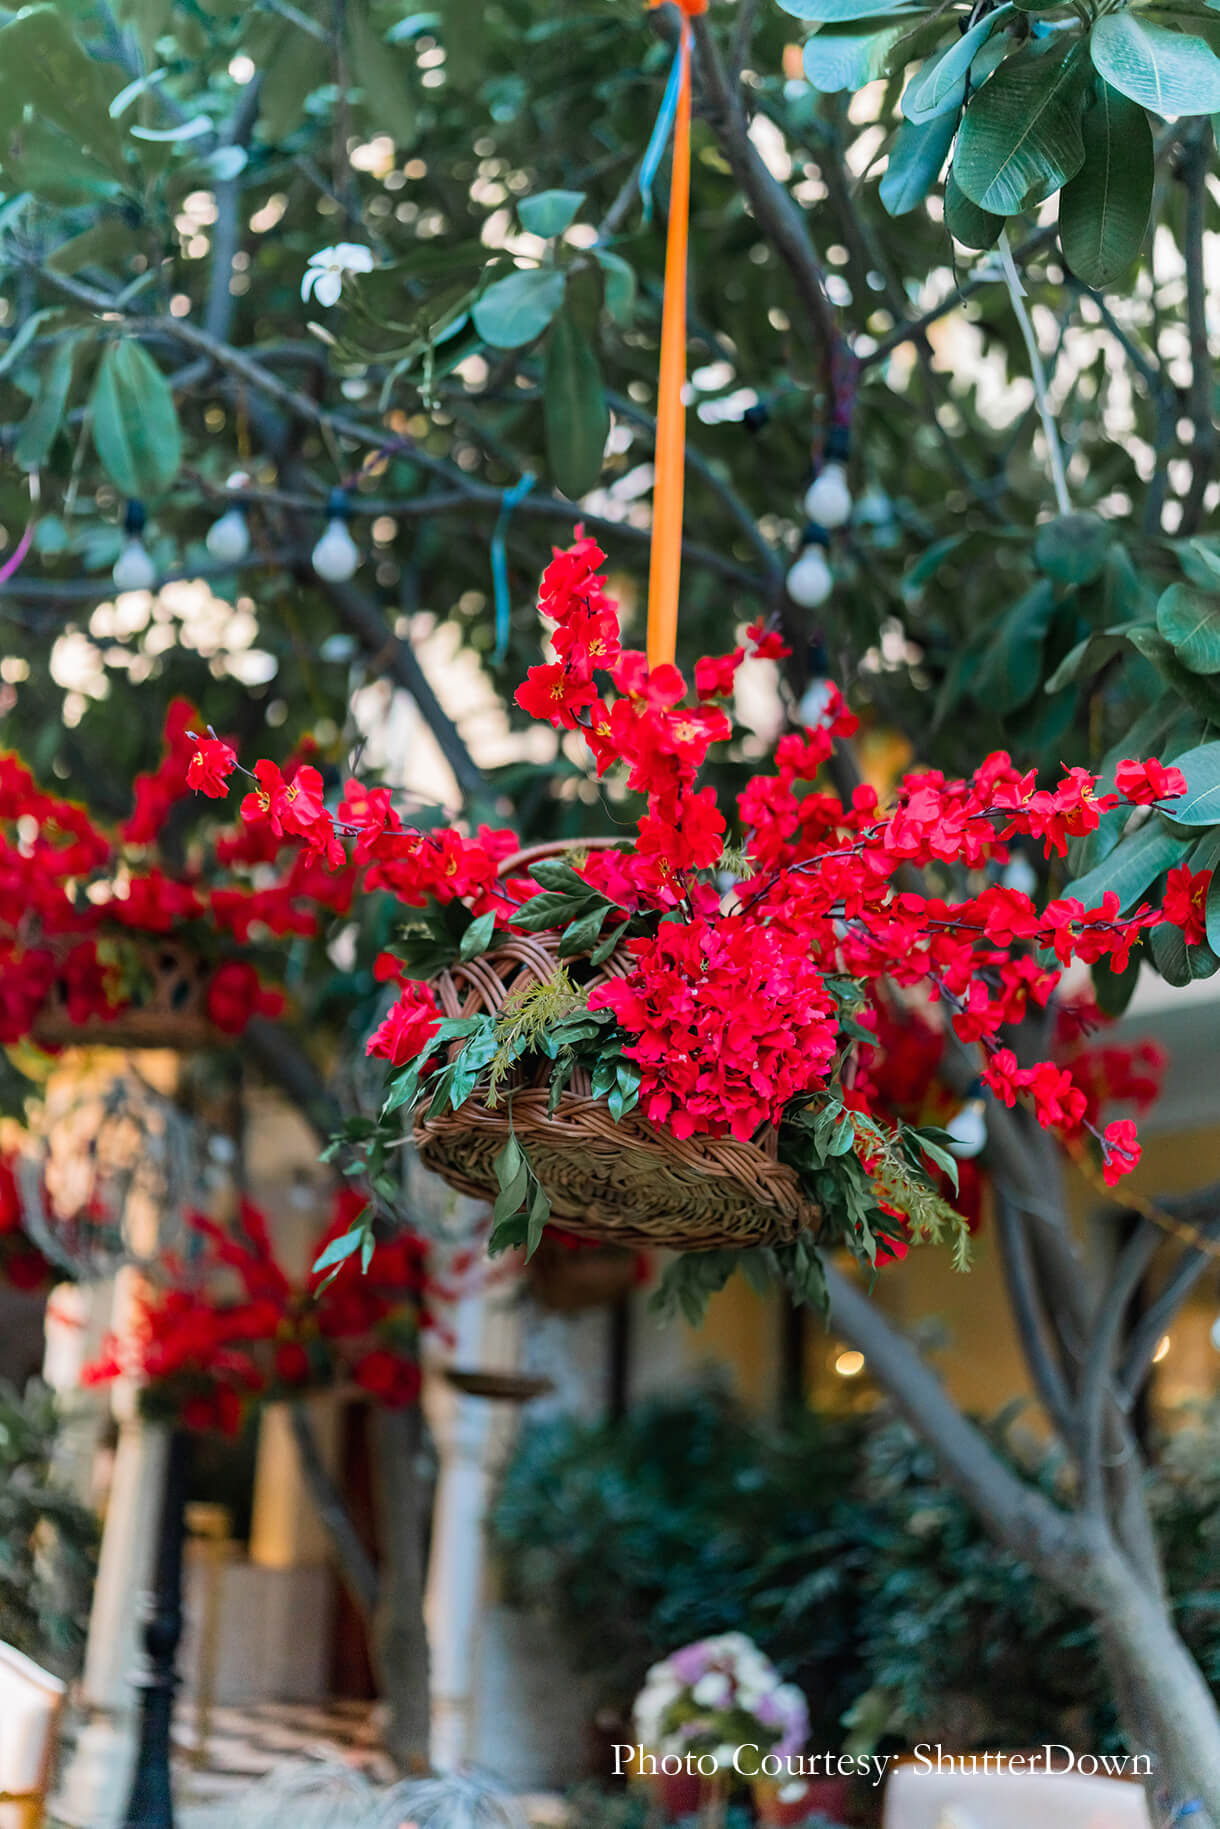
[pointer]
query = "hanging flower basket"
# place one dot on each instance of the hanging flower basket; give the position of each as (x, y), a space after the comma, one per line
(621, 1180)
(166, 1003)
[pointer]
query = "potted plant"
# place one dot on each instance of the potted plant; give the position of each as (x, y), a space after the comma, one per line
(712, 1709)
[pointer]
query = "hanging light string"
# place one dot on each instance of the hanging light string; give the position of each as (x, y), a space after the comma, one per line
(665, 565)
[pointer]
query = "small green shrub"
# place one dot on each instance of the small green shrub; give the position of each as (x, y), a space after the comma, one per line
(48, 1541)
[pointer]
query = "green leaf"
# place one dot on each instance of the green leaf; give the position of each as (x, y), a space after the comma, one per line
(966, 222)
(45, 65)
(550, 909)
(847, 57)
(108, 243)
(1104, 209)
(601, 953)
(1190, 621)
(1131, 866)
(478, 936)
(508, 1161)
(1200, 804)
(1012, 664)
(341, 1248)
(581, 934)
(1170, 72)
(291, 74)
(135, 423)
(540, 1212)
(517, 309)
(1212, 912)
(836, 12)
(41, 424)
(620, 285)
(1114, 990)
(550, 212)
(917, 158)
(940, 85)
(1021, 136)
(1088, 656)
(1171, 955)
(574, 401)
(382, 75)
(1072, 548)
(511, 1197)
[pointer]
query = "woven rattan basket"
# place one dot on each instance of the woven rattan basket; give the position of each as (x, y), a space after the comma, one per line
(628, 1182)
(170, 1010)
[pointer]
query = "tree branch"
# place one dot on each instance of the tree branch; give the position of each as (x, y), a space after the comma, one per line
(355, 1563)
(1019, 1515)
(1201, 405)
(778, 216)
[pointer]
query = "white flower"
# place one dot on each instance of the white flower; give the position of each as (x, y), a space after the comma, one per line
(323, 277)
(713, 1689)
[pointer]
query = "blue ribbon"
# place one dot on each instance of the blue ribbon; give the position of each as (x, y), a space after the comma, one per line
(499, 562)
(661, 135)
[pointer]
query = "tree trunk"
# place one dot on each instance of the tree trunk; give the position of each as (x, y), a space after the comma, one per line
(400, 1639)
(1167, 1708)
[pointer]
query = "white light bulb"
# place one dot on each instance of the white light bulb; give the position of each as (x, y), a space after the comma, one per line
(1020, 874)
(1215, 1333)
(968, 1130)
(815, 702)
(336, 555)
(133, 569)
(809, 581)
(828, 499)
(228, 538)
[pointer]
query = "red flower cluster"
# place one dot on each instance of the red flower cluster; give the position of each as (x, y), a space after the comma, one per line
(732, 1021)
(728, 1008)
(238, 1331)
(22, 1264)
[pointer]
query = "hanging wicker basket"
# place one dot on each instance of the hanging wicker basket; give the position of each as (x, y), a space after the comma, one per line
(168, 1008)
(627, 1183)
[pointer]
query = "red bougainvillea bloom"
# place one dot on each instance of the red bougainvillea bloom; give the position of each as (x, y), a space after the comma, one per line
(1142, 783)
(235, 995)
(769, 644)
(1185, 902)
(210, 766)
(1120, 1151)
(409, 1026)
(556, 693)
(714, 674)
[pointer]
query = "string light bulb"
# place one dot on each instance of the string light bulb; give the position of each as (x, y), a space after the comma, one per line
(828, 498)
(967, 1128)
(336, 556)
(134, 569)
(228, 539)
(809, 581)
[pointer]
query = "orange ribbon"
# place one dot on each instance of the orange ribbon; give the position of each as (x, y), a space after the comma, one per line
(665, 568)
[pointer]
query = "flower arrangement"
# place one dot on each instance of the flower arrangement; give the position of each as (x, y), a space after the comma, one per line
(717, 976)
(716, 1696)
(234, 1330)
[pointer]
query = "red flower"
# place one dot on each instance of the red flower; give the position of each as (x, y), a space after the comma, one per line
(1143, 783)
(209, 767)
(1120, 1151)
(291, 1362)
(769, 644)
(389, 1377)
(555, 694)
(408, 1027)
(235, 995)
(714, 674)
(1185, 902)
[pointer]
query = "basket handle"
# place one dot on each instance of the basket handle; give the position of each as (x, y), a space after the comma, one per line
(556, 847)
